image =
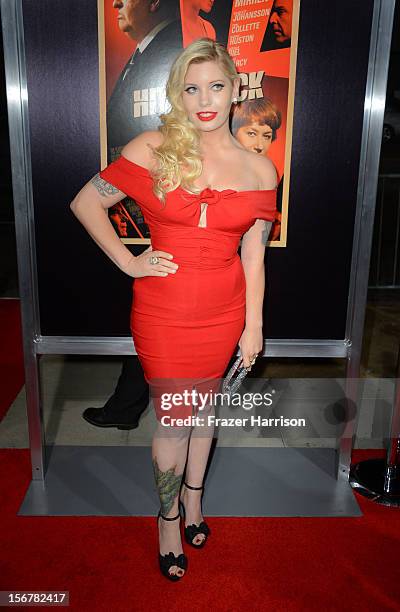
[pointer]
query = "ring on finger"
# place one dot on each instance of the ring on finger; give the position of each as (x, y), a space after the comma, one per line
(154, 259)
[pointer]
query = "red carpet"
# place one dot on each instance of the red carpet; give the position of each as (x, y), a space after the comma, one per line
(277, 564)
(274, 564)
(11, 355)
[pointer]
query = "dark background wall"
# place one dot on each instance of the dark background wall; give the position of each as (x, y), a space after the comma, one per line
(81, 292)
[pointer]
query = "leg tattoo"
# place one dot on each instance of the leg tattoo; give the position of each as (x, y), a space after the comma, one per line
(168, 484)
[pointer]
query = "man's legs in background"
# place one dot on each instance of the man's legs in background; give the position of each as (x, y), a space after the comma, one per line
(129, 400)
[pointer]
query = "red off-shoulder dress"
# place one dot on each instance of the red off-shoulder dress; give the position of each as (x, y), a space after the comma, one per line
(186, 326)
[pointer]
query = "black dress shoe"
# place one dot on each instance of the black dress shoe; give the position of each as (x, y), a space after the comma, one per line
(103, 418)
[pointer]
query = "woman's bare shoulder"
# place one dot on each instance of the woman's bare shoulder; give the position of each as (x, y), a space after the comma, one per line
(263, 168)
(139, 149)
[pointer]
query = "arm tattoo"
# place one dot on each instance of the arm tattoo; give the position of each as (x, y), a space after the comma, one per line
(104, 188)
(168, 485)
(266, 231)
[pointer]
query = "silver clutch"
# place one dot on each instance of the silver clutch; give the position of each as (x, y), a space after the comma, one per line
(234, 378)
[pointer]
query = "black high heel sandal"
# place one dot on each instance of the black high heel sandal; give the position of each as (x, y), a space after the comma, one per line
(168, 560)
(191, 531)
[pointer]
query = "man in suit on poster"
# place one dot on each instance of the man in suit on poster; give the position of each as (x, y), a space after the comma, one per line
(139, 93)
(134, 105)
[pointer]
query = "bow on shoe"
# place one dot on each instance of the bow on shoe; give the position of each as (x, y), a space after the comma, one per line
(192, 531)
(168, 560)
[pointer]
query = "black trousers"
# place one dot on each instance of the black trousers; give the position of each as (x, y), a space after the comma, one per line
(132, 391)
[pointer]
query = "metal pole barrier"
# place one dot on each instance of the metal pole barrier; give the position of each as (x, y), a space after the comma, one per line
(17, 101)
(375, 96)
(379, 479)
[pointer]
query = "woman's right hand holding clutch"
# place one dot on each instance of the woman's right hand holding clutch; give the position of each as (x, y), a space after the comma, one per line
(140, 266)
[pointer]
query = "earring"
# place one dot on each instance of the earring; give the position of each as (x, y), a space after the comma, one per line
(235, 100)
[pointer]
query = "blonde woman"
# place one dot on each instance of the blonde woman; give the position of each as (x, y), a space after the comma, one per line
(194, 299)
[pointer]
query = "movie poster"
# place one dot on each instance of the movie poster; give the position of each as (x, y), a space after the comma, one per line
(138, 42)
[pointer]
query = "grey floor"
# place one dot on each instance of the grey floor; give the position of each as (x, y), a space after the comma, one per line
(241, 481)
(311, 389)
(71, 383)
(256, 470)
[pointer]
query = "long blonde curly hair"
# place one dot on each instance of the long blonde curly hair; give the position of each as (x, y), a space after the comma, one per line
(179, 161)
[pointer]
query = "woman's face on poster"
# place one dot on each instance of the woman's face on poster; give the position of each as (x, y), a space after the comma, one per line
(205, 5)
(255, 137)
(207, 95)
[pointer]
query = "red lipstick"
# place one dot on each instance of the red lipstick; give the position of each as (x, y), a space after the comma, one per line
(206, 116)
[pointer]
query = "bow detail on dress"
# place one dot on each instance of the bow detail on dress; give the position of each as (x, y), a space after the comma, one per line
(212, 196)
